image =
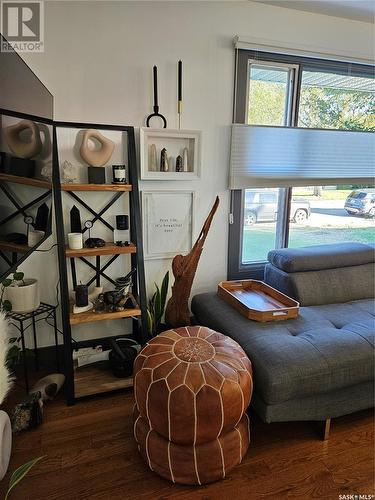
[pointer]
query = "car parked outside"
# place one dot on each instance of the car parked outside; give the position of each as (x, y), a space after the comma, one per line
(261, 206)
(361, 202)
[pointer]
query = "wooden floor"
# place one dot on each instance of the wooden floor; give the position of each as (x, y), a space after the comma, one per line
(90, 453)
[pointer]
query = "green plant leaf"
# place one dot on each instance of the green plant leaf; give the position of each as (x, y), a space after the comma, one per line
(12, 340)
(164, 292)
(7, 305)
(7, 282)
(157, 306)
(18, 276)
(150, 322)
(20, 473)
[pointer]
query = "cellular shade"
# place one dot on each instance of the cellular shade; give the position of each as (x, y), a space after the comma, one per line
(287, 156)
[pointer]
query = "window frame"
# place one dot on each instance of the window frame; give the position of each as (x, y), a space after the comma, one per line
(243, 60)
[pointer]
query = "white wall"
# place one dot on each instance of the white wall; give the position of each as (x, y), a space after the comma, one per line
(97, 63)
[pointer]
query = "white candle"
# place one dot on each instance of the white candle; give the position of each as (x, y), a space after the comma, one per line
(75, 241)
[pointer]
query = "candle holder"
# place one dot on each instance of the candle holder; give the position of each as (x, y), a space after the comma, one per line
(119, 174)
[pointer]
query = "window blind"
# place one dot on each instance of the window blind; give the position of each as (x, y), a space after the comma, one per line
(265, 156)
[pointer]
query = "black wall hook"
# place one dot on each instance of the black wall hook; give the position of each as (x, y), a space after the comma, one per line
(156, 104)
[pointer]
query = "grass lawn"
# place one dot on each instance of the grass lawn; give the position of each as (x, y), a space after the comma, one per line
(257, 241)
(327, 194)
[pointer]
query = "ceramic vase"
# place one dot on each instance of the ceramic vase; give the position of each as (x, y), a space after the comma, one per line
(24, 299)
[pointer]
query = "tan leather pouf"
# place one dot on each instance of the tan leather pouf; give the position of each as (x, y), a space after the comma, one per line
(192, 386)
(189, 464)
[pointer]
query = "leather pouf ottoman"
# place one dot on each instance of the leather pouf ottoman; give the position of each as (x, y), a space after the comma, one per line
(192, 388)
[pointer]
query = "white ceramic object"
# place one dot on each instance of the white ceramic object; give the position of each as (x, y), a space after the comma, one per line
(5, 442)
(49, 386)
(75, 241)
(34, 237)
(24, 299)
(77, 310)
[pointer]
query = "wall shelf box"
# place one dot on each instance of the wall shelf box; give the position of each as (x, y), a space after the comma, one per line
(174, 141)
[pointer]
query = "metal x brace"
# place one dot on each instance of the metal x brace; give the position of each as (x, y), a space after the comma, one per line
(97, 215)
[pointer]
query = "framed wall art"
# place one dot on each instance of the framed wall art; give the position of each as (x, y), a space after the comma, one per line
(168, 223)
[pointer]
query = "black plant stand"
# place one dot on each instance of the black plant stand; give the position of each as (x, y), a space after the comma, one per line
(50, 312)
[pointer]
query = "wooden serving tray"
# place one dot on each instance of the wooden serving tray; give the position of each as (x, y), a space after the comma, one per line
(258, 301)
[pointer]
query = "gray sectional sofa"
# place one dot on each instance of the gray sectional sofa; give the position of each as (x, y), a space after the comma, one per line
(321, 364)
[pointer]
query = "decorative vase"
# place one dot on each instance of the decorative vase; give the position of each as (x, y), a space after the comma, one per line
(5, 442)
(24, 299)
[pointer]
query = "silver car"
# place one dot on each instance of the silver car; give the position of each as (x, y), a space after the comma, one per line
(361, 202)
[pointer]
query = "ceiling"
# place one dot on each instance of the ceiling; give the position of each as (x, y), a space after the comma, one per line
(358, 10)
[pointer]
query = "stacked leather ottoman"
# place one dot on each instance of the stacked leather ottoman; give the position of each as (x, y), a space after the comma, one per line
(192, 388)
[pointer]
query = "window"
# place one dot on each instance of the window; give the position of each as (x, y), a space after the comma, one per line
(280, 91)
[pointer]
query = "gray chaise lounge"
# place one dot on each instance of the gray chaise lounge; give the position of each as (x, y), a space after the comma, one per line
(321, 364)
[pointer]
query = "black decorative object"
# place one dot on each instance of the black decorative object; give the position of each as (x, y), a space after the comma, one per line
(16, 238)
(119, 174)
(122, 222)
(164, 161)
(75, 220)
(96, 175)
(122, 356)
(82, 295)
(94, 243)
(179, 164)
(22, 167)
(179, 98)
(41, 219)
(156, 103)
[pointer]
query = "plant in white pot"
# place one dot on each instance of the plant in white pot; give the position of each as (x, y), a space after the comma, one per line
(6, 381)
(20, 294)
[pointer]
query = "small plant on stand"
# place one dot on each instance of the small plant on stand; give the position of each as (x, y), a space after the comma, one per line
(156, 307)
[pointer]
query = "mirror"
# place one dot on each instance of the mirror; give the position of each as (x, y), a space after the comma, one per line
(25, 162)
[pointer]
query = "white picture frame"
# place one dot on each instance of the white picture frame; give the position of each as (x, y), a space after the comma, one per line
(174, 141)
(168, 222)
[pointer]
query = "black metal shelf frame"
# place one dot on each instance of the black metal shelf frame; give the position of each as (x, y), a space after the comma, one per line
(137, 262)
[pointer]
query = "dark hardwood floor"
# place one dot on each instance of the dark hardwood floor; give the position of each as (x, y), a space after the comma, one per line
(90, 453)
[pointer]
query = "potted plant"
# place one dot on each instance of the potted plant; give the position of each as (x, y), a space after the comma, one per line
(156, 306)
(20, 295)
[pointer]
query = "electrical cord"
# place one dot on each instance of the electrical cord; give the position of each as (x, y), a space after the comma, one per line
(47, 250)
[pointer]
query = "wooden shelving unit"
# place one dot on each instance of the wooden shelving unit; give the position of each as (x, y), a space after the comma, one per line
(91, 380)
(96, 187)
(27, 181)
(109, 249)
(97, 379)
(90, 316)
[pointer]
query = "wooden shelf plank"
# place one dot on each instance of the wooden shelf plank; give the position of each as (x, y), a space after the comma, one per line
(96, 187)
(13, 247)
(108, 249)
(95, 379)
(26, 181)
(90, 316)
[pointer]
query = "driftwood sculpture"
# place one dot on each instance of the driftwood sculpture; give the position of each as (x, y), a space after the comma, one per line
(184, 268)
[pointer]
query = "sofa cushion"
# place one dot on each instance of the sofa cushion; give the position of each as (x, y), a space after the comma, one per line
(317, 257)
(328, 286)
(326, 348)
